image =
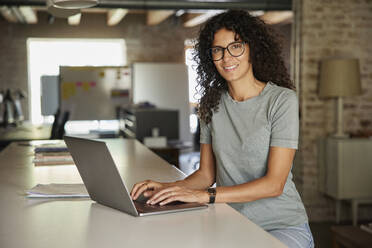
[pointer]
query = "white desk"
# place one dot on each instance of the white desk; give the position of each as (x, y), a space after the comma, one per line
(35, 223)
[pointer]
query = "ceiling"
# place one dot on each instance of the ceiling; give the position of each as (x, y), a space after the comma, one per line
(191, 12)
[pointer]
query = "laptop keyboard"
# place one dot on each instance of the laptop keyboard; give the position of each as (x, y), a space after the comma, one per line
(145, 208)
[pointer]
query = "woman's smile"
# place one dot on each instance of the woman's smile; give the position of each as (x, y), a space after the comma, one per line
(230, 68)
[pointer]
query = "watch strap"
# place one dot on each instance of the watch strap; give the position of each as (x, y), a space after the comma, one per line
(212, 195)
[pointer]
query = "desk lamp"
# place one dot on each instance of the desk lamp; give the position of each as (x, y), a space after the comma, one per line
(339, 78)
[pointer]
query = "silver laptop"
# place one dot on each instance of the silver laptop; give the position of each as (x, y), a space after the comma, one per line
(104, 183)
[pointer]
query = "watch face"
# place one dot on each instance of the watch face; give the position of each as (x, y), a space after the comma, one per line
(212, 191)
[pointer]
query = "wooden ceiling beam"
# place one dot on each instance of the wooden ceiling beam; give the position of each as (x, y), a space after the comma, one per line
(22, 14)
(155, 17)
(114, 16)
(195, 19)
(17, 14)
(277, 17)
(7, 14)
(188, 19)
(29, 14)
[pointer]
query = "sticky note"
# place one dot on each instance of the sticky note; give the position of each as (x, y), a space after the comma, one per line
(68, 90)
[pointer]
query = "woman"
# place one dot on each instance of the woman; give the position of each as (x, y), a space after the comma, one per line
(249, 130)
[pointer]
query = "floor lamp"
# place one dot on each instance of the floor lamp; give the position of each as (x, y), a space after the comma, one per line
(339, 78)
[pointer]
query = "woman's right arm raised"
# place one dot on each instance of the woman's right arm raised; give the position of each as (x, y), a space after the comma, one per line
(203, 178)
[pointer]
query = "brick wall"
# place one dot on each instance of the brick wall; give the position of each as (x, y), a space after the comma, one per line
(331, 28)
(160, 43)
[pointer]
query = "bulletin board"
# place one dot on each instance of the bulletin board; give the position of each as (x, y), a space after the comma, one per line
(92, 93)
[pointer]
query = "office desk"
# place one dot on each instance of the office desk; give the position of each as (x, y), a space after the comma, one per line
(35, 223)
(25, 132)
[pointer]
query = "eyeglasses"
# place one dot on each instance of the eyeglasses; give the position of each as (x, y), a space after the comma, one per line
(235, 49)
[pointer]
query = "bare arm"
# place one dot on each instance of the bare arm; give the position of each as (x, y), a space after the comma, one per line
(201, 179)
(271, 185)
(205, 176)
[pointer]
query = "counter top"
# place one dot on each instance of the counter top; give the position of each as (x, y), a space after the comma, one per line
(38, 223)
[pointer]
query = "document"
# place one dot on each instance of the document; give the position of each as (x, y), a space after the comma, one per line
(53, 153)
(55, 190)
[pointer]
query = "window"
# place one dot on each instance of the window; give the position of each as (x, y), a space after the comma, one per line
(46, 55)
(193, 93)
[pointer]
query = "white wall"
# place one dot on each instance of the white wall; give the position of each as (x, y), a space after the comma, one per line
(166, 86)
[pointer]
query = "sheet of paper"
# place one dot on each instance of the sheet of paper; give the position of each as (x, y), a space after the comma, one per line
(57, 190)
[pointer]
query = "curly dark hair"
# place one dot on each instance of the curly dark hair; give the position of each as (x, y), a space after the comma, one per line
(265, 56)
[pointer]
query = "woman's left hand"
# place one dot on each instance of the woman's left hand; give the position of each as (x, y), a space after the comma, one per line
(177, 193)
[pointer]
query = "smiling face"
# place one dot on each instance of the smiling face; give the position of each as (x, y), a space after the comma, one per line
(231, 68)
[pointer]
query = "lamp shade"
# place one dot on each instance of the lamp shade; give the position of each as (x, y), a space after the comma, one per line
(339, 77)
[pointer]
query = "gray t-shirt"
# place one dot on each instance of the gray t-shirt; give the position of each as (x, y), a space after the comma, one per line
(241, 134)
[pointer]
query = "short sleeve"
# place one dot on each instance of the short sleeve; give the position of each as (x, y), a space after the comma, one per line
(285, 121)
(205, 133)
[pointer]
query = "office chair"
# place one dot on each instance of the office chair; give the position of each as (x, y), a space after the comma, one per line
(54, 132)
(58, 127)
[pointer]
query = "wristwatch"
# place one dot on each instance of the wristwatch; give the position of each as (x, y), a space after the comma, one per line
(212, 194)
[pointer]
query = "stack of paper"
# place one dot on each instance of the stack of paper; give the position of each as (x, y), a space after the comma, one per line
(54, 153)
(53, 158)
(58, 190)
(50, 146)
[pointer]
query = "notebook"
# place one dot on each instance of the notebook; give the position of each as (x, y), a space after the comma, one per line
(104, 183)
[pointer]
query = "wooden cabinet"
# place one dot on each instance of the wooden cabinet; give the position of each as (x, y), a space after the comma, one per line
(345, 171)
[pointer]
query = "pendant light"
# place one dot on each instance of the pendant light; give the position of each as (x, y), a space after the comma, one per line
(74, 4)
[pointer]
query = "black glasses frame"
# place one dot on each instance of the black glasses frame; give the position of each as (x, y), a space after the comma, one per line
(227, 48)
